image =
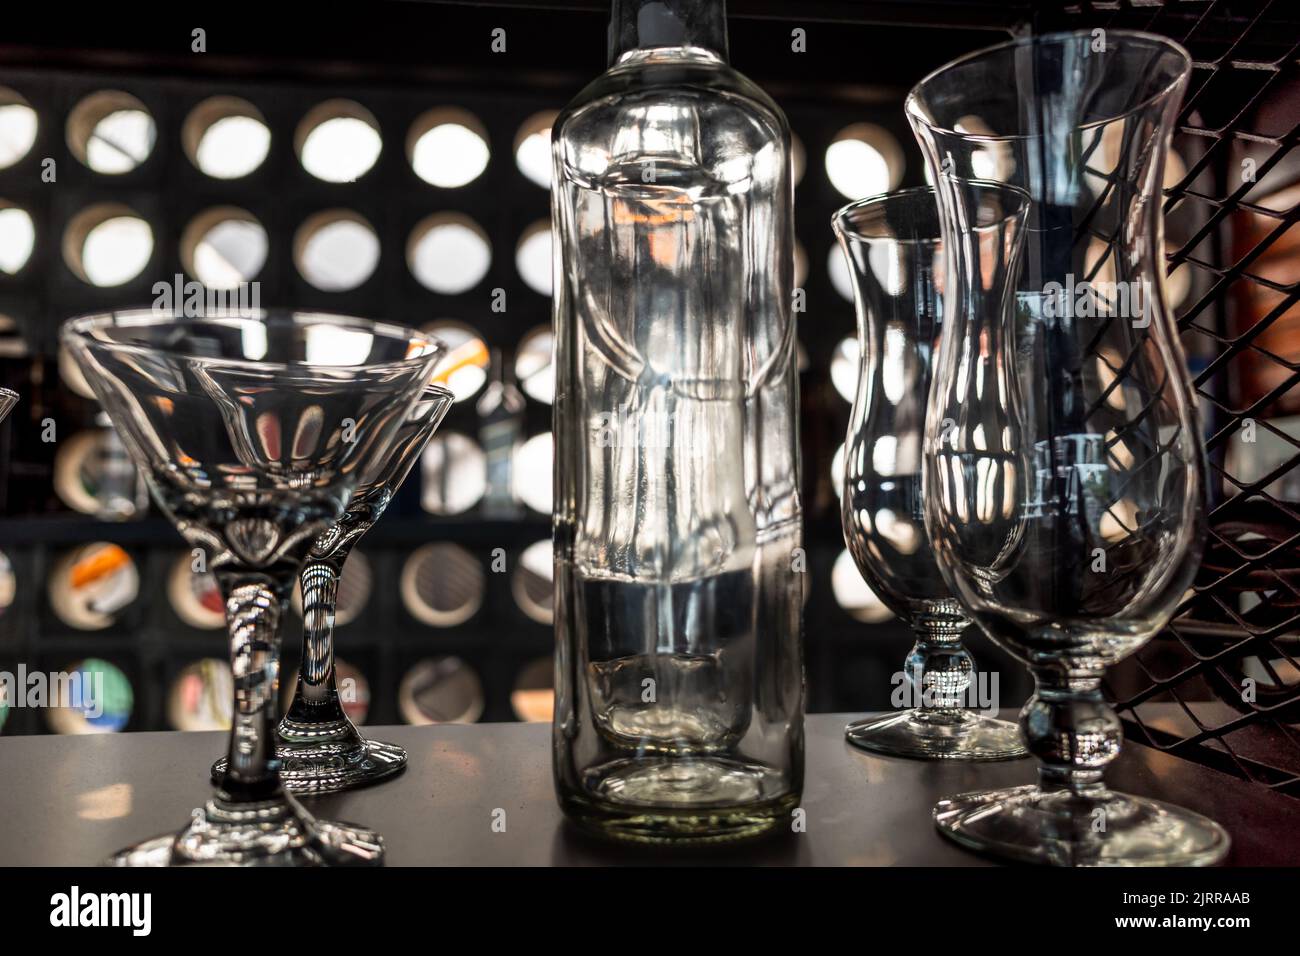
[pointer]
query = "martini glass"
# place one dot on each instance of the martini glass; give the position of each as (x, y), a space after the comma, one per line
(8, 399)
(253, 430)
(320, 749)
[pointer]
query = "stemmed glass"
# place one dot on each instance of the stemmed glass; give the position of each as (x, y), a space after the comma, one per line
(895, 255)
(253, 430)
(8, 399)
(319, 747)
(1064, 469)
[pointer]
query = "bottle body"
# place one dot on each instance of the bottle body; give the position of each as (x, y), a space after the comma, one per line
(679, 685)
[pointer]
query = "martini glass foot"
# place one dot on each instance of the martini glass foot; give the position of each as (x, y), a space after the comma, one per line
(274, 832)
(330, 769)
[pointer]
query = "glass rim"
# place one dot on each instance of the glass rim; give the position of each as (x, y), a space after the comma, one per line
(1047, 39)
(76, 332)
(435, 390)
(840, 219)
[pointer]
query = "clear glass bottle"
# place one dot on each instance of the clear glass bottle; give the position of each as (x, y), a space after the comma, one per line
(678, 533)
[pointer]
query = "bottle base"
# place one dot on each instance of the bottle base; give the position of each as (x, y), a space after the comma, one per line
(694, 800)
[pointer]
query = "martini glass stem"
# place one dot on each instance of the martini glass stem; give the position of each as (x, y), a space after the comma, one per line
(254, 604)
(317, 690)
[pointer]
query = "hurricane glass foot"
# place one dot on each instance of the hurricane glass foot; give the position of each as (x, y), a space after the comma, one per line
(913, 733)
(682, 801)
(274, 832)
(1064, 828)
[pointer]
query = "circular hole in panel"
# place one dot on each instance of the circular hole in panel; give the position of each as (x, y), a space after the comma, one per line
(448, 253)
(533, 364)
(532, 582)
(447, 147)
(354, 690)
(223, 247)
(8, 591)
(355, 585)
(201, 697)
(846, 367)
(94, 475)
(864, 160)
(1102, 161)
(12, 344)
(464, 369)
(8, 583)
(195, 596)
(442, 585)
(90, 585)
(336, 250)
(798, 159)
(107, 245)
(994, 160)
(71, 374)
(533, 257)
(837, 472)
(17, 237)
(338, 141)
(440, 690)
(533, 147)
(352, 686)
(111, 132)
(453, 470)
(852, 593)
(18, 125)
(98, 699)
(838, 269)
(800, 265)
(533, 464)
(226, 137)
(533, 696)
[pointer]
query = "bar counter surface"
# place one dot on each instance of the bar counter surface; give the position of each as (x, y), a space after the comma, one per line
(481, 795)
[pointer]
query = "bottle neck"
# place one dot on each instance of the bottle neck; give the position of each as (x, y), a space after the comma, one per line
(650, 24)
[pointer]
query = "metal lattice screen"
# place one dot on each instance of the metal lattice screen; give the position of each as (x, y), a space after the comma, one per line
(1222, 684)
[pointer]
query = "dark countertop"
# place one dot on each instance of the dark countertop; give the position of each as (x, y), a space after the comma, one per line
(70, 801)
